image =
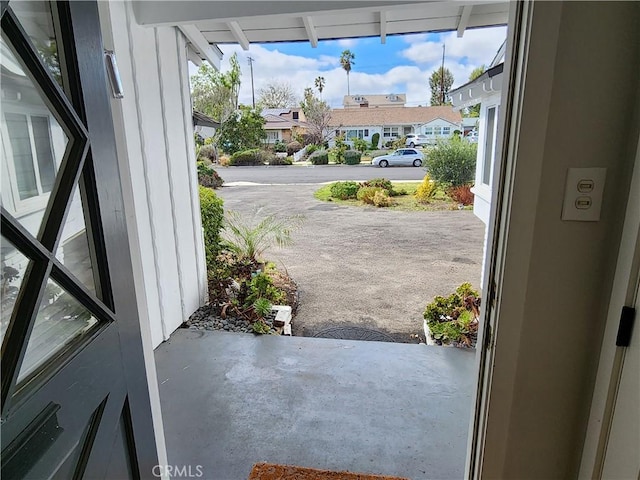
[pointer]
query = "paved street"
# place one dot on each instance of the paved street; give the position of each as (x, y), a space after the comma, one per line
(296, 174)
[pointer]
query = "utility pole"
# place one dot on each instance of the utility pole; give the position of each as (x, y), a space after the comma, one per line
(442, 78)
(253, 95)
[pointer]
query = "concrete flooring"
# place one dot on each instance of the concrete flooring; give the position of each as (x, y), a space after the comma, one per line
(231, 400)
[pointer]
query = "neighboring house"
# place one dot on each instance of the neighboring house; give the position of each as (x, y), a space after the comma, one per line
(283, 123)
(371, 101)
(393, 123)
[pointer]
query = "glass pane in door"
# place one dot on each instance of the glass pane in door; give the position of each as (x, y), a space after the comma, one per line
(73, 249)
(61, 319)
(14, 264)
(37, 21)
(33, 144)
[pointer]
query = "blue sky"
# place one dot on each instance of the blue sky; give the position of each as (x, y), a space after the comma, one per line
(402, 65)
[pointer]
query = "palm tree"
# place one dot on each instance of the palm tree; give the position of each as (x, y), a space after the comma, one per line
(346, 60)
(320, 85)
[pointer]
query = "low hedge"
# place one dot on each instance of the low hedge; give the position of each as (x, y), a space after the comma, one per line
(367, 194)
(248, 158)
(275, 160)
(212, 214)
(352, 157)
(319, 157)
(344, 190)
(208, 177)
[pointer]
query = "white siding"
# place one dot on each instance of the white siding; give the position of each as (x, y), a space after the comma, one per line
(156, 153)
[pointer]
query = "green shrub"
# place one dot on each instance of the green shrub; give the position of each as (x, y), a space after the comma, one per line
(319, 157)
(352, 157)
(366, 194)
(382, 199)
(426, 190)
(276, 160)
(248, 157)
(261, 286)
(344, 190)
(339, 148)
(208, 177)
(207, 153)
(212, 219)
(452, 161)
(375, 140)
(381, 183)
(293, 147)
(311, 148)
(360, 145)
(280, 147)
(453, 319)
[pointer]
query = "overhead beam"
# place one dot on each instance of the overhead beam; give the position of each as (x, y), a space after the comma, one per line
(383, 26)
(239, 35)
(311, 31)
(464, 19)
(201, 46)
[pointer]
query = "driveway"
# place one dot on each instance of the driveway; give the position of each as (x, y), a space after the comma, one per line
(367, 267)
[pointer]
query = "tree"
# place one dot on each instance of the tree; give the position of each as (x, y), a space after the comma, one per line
(318, 114)
(440, 83)
(243, 130)
(474, 110)
(214, 93)
(347, 60)
(277, 95)
(320, 82)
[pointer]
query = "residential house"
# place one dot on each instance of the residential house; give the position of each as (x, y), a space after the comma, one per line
(392, 123)
(549, 405)
(283, 123)
(372, 101)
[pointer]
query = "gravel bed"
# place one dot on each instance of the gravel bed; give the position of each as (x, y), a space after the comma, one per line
(205, 318)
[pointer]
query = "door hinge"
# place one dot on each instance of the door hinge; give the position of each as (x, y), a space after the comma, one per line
(626, 326)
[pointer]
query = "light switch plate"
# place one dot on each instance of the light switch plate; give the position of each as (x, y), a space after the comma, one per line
(583, 194)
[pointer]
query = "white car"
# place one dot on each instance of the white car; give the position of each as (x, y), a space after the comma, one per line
(402, 156)
(414, 139)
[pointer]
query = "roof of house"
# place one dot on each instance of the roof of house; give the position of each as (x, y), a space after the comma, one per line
(385, 99)
(276, 122)
(203, 120)
(471, 92)
(392, 116)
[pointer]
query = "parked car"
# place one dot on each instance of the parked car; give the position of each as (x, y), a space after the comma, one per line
(415, 139)
(402, 156)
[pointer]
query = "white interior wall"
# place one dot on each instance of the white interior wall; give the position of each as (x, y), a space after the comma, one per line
(155, 146)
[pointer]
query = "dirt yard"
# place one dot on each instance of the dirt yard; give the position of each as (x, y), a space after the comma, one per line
(367, 267)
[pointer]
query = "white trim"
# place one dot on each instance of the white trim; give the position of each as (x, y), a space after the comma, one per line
(464, 20)
(238, 34)
(511, 230)
(311, 31)
(201, 46)
(383, 26)
(169, 162)
(611, 357)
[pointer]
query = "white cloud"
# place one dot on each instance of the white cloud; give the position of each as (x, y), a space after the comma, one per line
(462, 55)
(421, 56)
(347, 42)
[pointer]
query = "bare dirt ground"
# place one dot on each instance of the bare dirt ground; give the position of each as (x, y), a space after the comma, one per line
(364, 266)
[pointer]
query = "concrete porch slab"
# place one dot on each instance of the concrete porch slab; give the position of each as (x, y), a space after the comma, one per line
(231, 400)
